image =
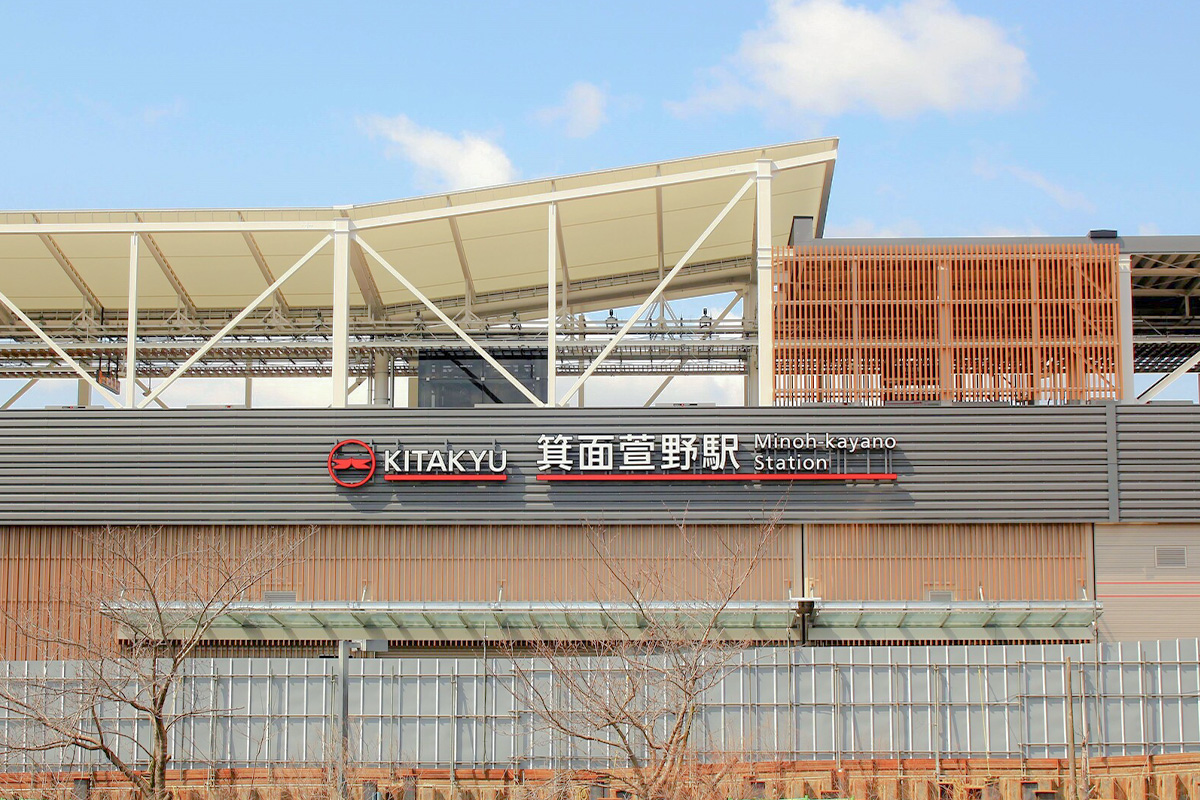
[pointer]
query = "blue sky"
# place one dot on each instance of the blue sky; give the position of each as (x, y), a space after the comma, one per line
(954, 118)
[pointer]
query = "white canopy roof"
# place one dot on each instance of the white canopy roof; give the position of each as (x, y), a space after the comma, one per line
(618, 228)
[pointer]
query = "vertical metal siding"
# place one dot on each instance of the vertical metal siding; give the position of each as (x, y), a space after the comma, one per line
(960, 323)
(417, 563)
(904, 562)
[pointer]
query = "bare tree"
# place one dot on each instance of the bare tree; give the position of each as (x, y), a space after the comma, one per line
(144, 601)
(636, 691)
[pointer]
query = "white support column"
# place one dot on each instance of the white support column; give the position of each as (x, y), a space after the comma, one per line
(750, 312)
(381, 383)
(766, 299)
(340, 357)
(131, 327)
(1125, 333)
(552, 306)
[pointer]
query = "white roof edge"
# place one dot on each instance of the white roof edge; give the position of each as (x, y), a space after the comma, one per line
(338, 207)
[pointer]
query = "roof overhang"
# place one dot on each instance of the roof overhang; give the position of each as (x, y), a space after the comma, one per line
(1073, 620)
(459, 622)
(793, 620)
(487, 247)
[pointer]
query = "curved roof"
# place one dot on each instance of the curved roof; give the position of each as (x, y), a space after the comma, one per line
(619, 228)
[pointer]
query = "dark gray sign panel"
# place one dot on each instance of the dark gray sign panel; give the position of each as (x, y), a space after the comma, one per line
(949, 463)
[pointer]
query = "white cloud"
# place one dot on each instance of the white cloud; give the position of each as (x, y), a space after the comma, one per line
(1149, 229)
(823, 58)
(153, 114)
(1061, 195)
(582, 112)
(443, 161)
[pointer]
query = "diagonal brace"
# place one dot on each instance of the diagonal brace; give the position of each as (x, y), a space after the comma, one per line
(245, 312)
(484, 354)
(1162, 383)
(112, 399)
(658, 290)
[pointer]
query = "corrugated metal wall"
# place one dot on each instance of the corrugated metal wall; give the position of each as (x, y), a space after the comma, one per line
(774, 703)
(967, 463)
(1159, 462)
(560, 563)
(1142, 599)
(905, 562)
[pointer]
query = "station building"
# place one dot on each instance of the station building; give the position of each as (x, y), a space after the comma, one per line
(950, 438)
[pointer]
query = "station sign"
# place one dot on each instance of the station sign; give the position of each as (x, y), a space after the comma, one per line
(672, 457)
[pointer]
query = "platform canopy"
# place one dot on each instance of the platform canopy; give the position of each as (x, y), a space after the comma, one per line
(483, 248)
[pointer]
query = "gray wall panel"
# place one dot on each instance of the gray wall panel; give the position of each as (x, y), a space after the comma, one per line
(1159, 463)
(954, 463)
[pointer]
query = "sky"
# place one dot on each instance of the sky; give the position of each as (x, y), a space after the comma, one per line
(954, 118)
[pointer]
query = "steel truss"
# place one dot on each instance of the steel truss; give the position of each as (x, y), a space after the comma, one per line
(284, 341)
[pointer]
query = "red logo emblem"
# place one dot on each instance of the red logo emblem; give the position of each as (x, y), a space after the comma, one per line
(351, 463)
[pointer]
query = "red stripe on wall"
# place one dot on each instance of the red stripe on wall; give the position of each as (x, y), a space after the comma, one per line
(473, 477)
(724, 476)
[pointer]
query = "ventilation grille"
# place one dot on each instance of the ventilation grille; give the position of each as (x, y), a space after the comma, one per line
(1170, 556)
(279, 597)
(940, 596)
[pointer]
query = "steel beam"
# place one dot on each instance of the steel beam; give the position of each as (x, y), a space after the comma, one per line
(658, 290)
(131, 326)
(29, 384)
(185, 299)
(683, 361)
(551, 304)
(459, 332)
(65, 263)
(363, 277)
(620, 187)
(1164, 382)
(38, 229)
(340, 355)
(259, 259)
(108, 396)
(565, 302)
(146, 390)
(461, 252)
(221, 334)
(1125, 334)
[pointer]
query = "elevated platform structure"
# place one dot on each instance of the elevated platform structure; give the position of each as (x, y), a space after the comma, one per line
(129, 301)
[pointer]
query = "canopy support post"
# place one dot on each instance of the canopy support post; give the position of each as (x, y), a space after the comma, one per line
(131, 327)
(766, 299)
(340, 357)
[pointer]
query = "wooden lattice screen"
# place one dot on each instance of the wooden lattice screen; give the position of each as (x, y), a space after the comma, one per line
(888, 324)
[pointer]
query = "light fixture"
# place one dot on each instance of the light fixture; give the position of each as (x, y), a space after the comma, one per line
(612, 322)
(515, 322)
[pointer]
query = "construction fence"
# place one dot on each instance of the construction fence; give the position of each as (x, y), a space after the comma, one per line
(773, 703)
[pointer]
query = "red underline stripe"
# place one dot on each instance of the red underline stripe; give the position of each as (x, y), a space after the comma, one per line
(422, 476)
(725, 476)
